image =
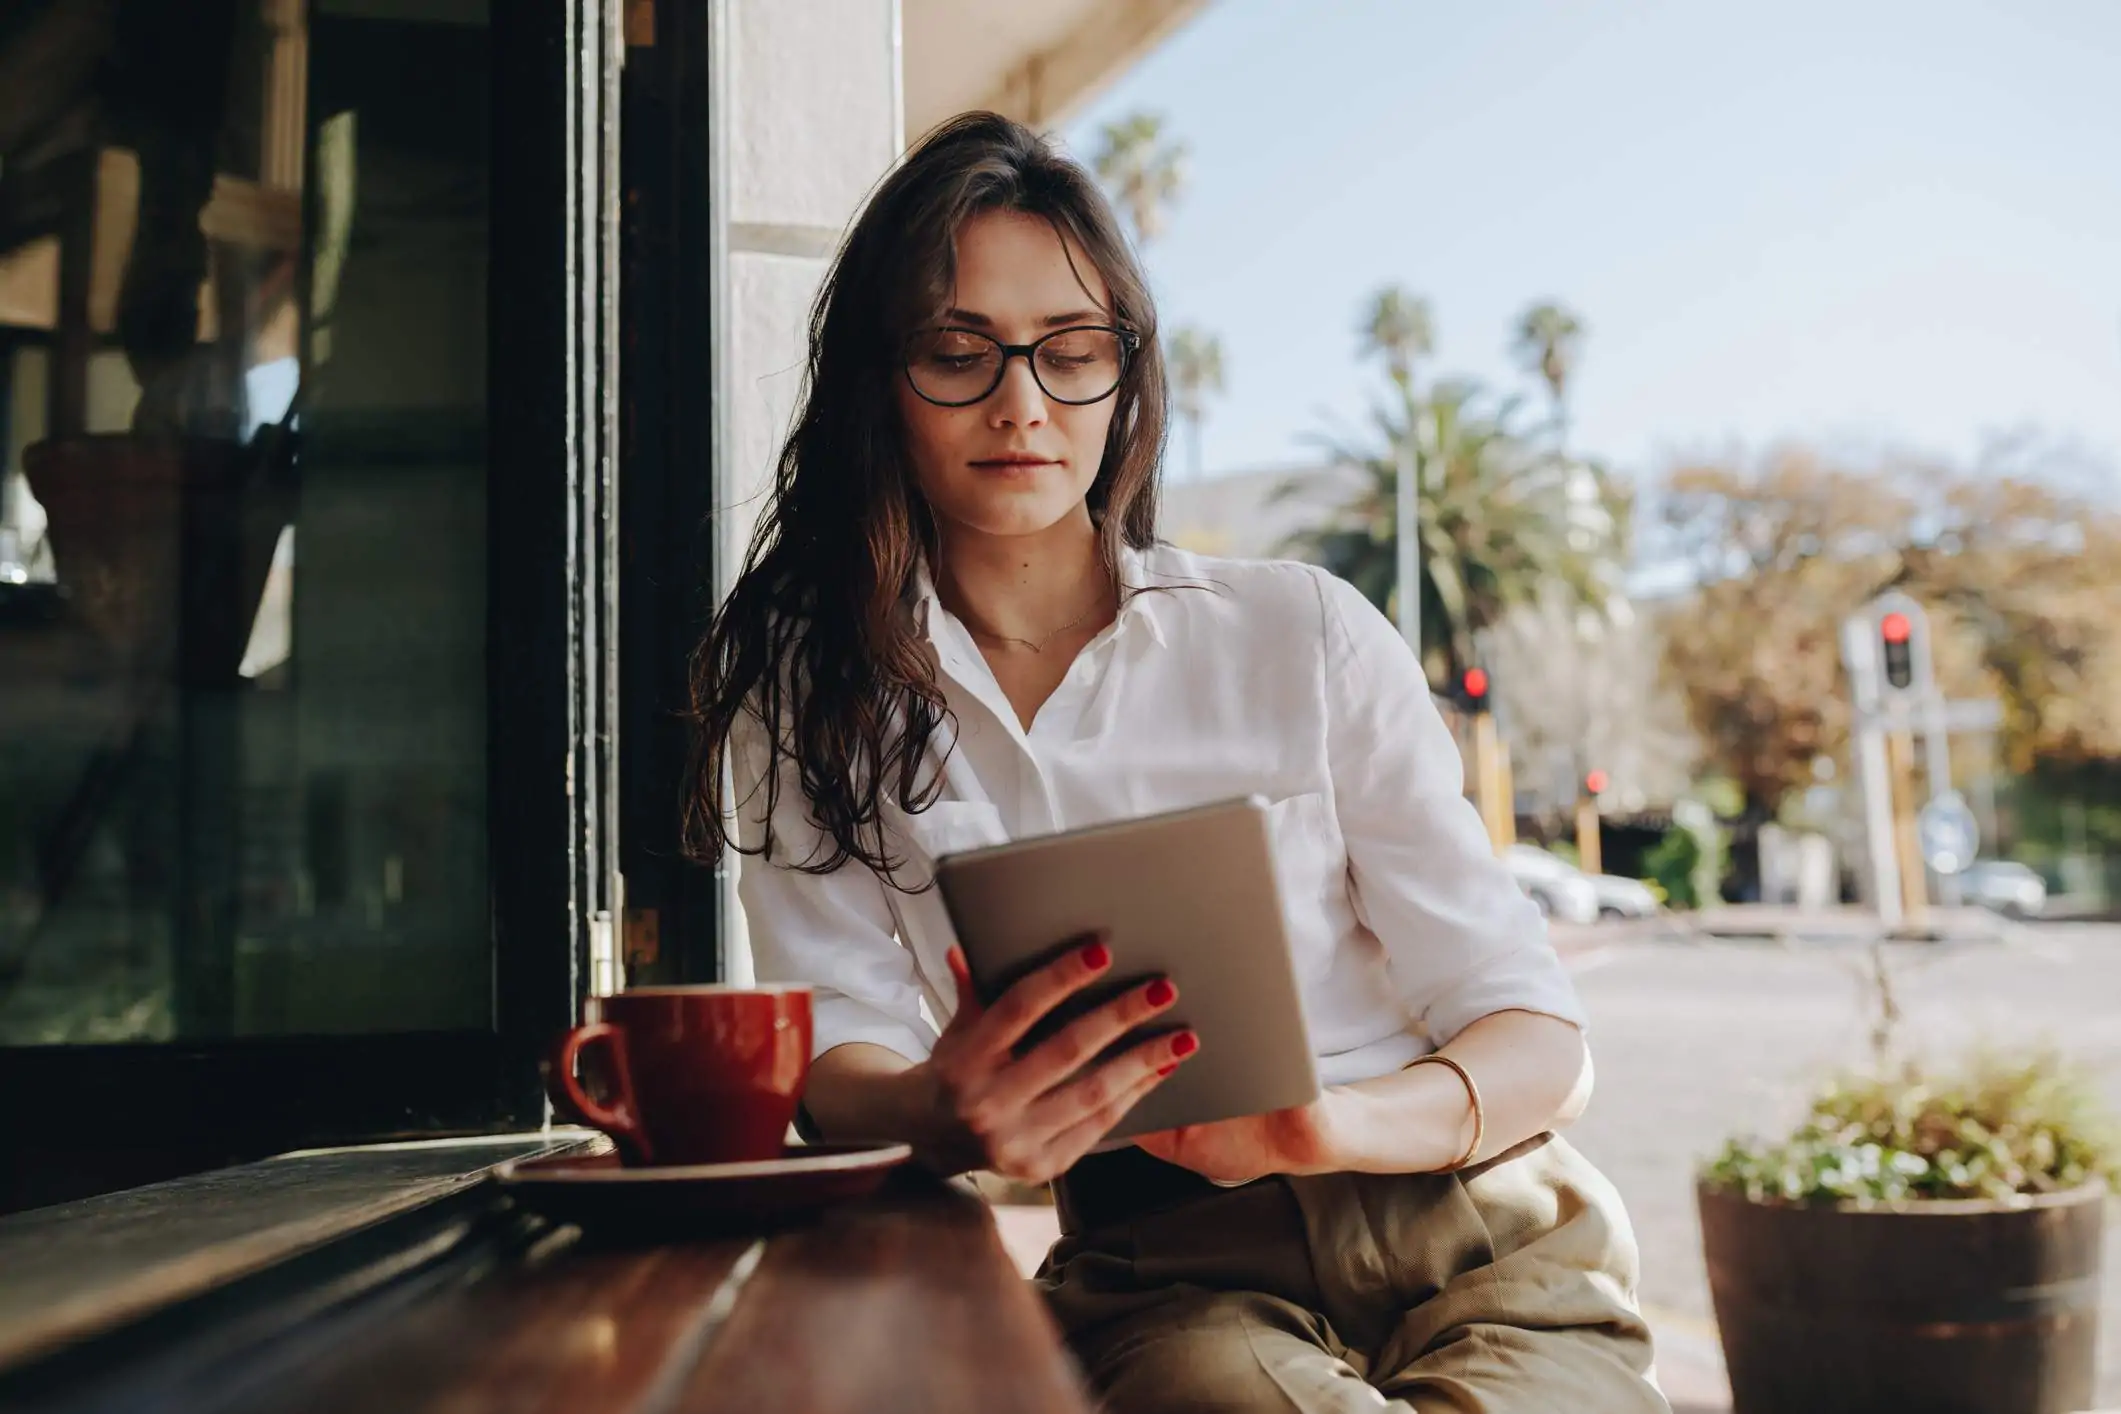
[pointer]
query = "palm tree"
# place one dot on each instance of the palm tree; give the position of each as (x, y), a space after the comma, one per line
(1142, 168)
(1398, 327)
(1196, 375)
(1494, 519)
(1548, 342)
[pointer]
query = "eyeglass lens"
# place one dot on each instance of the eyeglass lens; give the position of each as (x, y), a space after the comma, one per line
(960, 366)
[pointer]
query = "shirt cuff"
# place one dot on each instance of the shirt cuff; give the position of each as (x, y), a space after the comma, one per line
(838, 1021)
(1528, 979)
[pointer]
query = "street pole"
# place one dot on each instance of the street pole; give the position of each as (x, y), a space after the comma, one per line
(1859, 652)
(1491, 781)
(1406, 506)
(1937, 770)
(1881, 844)
(1589, 854)
(1907, 848)
(1505, 796)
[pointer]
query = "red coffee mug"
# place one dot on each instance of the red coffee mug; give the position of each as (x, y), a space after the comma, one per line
(698, 1075)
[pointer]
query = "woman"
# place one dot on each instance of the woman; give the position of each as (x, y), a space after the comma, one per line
(955, 626)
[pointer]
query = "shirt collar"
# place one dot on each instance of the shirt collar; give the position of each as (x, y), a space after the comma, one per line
(925, 603)
(1139, 606)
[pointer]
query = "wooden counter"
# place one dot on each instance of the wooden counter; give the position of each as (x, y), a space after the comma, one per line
(904, 1301)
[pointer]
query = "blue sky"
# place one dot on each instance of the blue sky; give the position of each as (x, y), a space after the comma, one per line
(1869, 224)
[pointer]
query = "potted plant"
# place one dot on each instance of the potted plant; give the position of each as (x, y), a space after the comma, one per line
(1921, 1239)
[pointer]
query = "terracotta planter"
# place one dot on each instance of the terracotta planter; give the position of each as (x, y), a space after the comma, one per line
(1961, 1307)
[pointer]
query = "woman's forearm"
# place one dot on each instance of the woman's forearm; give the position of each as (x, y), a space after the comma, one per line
(1534, 1074)
(861, 1092)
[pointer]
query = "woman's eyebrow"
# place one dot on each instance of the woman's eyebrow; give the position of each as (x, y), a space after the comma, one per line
(1051, 321)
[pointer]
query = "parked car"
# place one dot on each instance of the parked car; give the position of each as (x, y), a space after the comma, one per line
(2005, 886)
(1562, 891)
(1621, 897)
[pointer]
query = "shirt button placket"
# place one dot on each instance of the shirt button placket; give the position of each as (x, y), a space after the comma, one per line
(1036, 796)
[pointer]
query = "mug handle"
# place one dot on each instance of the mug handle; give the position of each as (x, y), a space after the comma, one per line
(620, 1119)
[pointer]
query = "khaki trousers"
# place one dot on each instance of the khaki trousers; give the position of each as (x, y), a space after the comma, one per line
(1510, 1287)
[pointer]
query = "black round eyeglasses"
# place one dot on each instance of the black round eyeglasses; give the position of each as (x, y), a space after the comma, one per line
(956, 368)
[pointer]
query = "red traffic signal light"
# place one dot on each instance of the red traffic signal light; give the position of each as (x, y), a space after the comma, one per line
(1475, 684)
(1596, 782)
(1898, 633)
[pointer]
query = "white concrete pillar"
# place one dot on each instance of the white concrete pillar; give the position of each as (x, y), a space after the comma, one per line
(808, 107)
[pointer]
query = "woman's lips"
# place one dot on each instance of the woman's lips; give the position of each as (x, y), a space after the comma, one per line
(1013, 463)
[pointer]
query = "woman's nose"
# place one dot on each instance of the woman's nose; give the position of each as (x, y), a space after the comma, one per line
(1019, 402)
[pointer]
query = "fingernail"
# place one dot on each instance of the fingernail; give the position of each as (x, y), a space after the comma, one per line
(1185, 1043)
(1097, 957)
(1165, 1069)
(1160, 993)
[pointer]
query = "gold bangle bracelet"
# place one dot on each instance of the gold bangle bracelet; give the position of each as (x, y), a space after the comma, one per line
(1480, 1121)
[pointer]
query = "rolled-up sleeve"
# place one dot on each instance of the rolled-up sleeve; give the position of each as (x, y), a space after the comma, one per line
(1463, 941)
(833, 931)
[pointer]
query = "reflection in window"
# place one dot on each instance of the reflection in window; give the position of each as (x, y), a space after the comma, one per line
(242, 520)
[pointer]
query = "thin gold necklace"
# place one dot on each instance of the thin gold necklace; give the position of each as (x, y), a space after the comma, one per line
(1038, 645)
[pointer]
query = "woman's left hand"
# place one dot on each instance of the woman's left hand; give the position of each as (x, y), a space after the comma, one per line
(1292, 1141)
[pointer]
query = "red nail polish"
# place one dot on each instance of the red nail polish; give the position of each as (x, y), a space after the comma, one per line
(1097, 957)
(1160, 993)
(1165, 1069)
(1184, 1044)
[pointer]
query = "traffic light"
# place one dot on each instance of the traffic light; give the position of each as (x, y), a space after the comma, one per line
(1897, 636)
(1473, 689)
(1595, 783)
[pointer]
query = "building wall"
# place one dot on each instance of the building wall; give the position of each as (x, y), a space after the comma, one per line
(809, 108)
(1251, 515)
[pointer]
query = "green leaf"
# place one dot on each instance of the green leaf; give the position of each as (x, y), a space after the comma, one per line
(2001, 1127)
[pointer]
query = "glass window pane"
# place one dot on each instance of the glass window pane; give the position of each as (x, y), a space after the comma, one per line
(243, 528)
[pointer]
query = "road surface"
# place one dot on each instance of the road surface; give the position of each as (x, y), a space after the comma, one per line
(1695, 1041)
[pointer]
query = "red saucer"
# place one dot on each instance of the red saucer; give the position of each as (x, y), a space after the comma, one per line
(597, 1193)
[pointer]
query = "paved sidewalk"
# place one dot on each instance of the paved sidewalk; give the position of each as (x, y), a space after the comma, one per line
(1698, 1041)
(1846, 925)
(1689, 1362)
(1775, 923)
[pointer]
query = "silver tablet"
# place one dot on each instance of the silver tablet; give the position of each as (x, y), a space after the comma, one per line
(1188, 895)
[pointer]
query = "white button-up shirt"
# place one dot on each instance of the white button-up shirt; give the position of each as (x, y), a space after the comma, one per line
(1218, 678)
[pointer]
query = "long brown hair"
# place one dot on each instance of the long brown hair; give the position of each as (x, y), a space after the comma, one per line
(817, 640)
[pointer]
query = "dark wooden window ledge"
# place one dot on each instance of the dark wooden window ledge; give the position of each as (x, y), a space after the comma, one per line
(397, 1278)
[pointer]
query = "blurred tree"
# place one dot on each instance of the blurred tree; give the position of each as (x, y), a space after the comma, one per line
(2030, 579)
(1143, 169)
(1398, 328)
(2023, 585)
(1548, 342)
(1583, 688)
(1777, 555)
(1496, 518)
(1196, 376)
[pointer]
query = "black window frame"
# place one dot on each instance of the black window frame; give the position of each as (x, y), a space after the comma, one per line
(87, 1119)
(673, 925)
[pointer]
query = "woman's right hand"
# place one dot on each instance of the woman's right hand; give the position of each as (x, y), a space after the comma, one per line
(1030, 1117)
